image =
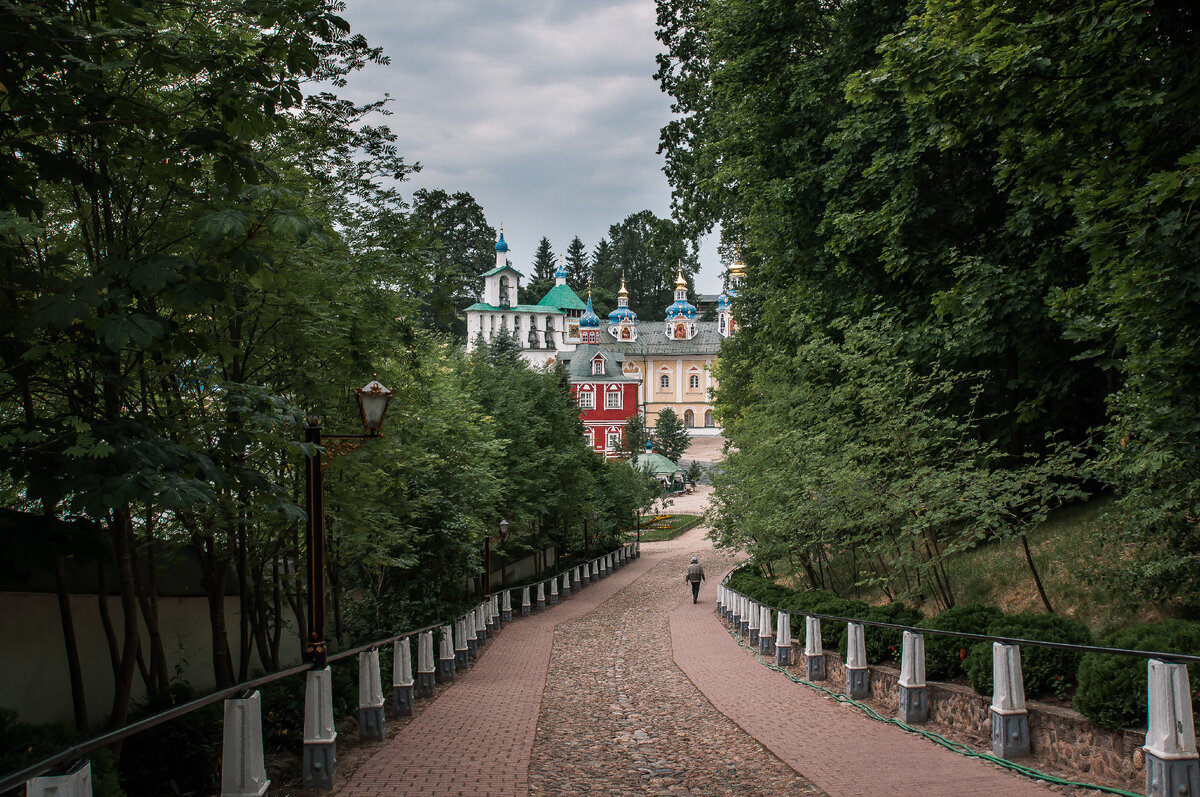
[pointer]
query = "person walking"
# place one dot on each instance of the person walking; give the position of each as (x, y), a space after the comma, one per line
(695, 574)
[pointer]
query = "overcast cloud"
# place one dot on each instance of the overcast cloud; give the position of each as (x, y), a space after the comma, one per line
(546, 111)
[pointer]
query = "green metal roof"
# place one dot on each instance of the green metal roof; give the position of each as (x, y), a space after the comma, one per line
(655, 464)
(498, 269)
(516, 308)
(563, 297)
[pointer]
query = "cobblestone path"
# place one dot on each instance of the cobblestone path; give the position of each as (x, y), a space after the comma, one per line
(620, 718)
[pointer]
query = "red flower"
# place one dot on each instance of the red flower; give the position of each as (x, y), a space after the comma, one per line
(962, 653)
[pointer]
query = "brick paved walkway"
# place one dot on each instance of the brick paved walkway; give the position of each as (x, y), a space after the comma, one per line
(475, 738)
(617, 718)
(839, 749)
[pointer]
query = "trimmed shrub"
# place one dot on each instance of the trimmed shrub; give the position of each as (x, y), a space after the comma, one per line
(1112, 689)
(820, 602)
(1046, 670)
(283, 704)
(182, 756)
(882, 644)
(945, 656)
(22, 744)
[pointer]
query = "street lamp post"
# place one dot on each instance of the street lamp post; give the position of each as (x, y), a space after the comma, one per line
(373, 401)
(320, 736)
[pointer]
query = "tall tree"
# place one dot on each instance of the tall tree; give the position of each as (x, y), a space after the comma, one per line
(648, 251)
(458, 245)
(542, 277)
(579, 267)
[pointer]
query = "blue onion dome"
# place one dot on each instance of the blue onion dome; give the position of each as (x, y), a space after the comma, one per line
(501, 246)
(561, 272)
(622, 314)
(589, 319)
(722, 302)
(681, 307)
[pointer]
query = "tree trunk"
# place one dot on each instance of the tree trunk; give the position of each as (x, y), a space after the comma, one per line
(1036, 578)
(121, 530)
(78, 700)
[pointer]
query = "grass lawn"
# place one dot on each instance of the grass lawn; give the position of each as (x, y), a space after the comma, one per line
(667, 528)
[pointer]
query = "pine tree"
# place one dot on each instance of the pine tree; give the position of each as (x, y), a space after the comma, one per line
(579, 269)
(543, 261)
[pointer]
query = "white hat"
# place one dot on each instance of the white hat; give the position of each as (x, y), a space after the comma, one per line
(694, 560)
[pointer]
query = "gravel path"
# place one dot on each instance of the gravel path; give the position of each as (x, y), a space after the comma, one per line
(619, 717)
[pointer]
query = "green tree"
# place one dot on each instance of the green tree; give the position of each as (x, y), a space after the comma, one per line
(670, 438)
(648, 251)
(542, 279)
(579, 269)
(457, 244)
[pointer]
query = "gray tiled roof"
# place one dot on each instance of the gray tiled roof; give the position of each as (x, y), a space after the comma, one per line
(578, 364)
(651, 342)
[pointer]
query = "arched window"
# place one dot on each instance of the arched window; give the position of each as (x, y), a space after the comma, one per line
(504, 291)
(689, 419)
(708, 418)
(694, 381)
(664, 382)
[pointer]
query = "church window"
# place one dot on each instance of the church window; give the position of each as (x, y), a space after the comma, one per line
(689, 419)
(597, 366)
(504, 291)
(664, 382)
(614, 441)
(612, 400)
(721, 323)
(694, 381)
(587, 401)
(708, 418)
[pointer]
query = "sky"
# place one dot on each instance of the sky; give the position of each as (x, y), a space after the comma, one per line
(545, 111)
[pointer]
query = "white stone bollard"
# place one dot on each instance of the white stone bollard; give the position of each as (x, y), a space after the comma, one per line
(721, 599)
(472, 639)
(493, 620)
(814, 653)
(447, 659)
(243, 767)
(461, 654)
(747, 612)
(575, 578)
(752, 624)
(525, 601)
(402, 678)
(783, 640)
(736, 619)
(603, 566)
(554, 590)
(1010, 718)
(1171, 758)
(913, 704)
(766, 637)
(481, 616)
(425, 668)
(320, 738)
(506, 606)
(566, 585)
(77, 782)
(858, 677)
(370, 695)
(541, 595)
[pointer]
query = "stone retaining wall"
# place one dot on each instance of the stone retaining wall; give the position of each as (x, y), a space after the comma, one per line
(1064, 742)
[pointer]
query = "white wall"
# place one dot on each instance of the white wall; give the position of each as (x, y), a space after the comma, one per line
(34, 680)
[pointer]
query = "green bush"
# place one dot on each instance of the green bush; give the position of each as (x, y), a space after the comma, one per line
(283, 704)
(1112, 689)
(882, 644)
(944, 655)
(821, 602)
(182, 756)
(22, 744)
(1045, 670)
